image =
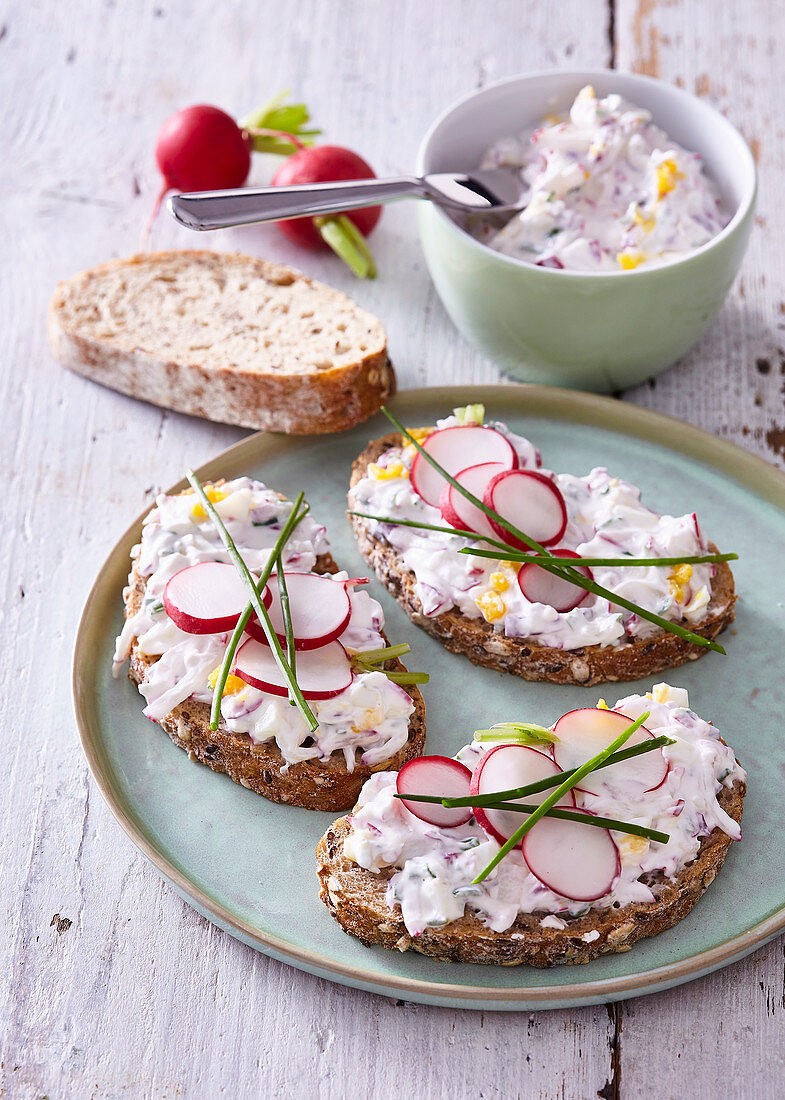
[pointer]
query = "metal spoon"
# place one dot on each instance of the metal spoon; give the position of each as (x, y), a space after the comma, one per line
(485, 190)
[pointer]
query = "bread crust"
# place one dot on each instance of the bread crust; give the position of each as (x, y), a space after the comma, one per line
(312, 784)
(485, 646)
(297, 402)
(356, 899)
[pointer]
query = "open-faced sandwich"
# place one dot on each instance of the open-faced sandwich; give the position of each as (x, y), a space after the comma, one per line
(549, 576)
(540, 846)
(256, 655)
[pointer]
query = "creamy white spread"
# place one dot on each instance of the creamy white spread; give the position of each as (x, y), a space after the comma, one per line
(606, 518)
(606, 190)
(371, 716)
(435, 867)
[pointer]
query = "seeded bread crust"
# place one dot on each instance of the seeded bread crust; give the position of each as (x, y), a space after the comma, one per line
(312, 784)
(356, 899)
(522, 656)
(224, 336)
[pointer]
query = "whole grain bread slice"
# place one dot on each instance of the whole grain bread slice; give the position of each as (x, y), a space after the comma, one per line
(313, 784)
(356, 899)
(224, 336)
(524, 657)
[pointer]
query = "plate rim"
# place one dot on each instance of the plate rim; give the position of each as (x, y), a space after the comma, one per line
(546, 401)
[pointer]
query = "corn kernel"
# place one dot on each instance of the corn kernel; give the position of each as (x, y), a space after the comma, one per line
(602, 705)
(491, 605)
(628, 260)
(679, 577)
(420, 434)
(499, 582)
(213, 495)
(667, 174)
(233, 683)
(647, 224)
(387, 473)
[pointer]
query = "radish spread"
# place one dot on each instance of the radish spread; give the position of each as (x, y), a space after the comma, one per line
(435, 865)
(605, 518)
(607, 190)
(370, 716)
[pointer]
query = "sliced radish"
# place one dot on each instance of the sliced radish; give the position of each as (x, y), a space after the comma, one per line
(320, 609)
(321, 673)
(435, 775)
(207, 598)
(531, 502)
(454, 449)
(540, 586)
(504, 768)
(577, 861)
(460, 512)
(584, 733)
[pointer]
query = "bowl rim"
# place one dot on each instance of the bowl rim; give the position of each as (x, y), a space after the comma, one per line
(691, 102)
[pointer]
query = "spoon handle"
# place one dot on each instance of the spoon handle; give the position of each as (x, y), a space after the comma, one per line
(245, 205)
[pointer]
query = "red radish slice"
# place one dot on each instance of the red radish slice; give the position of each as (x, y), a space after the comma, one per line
(539, 586)
(584, 733)
(436, 775)
(460, 512)
(321, 673)
(531, 502)
(503, 768)
(207, 598)
(577, 861)
(454, 449)
(320, 609)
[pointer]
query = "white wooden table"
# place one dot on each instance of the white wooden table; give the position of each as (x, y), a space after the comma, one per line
(109, 985)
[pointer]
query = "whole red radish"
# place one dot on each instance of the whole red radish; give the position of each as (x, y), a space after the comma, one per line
(202, 148)
(324, 164)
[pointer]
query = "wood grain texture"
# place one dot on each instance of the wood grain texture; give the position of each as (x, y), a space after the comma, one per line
(110, 986)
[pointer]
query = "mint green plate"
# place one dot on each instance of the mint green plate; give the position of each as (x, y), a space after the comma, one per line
(248, 865)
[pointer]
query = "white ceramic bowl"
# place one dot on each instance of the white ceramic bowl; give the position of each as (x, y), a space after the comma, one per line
(590, 330)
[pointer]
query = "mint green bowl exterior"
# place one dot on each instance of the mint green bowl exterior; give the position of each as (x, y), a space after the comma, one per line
(591, 331)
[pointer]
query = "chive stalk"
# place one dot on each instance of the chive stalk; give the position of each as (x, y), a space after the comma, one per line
(275, 554)
(517, 733)
(255, 601)
(286, 615)
(542, 784)
(505, 552)
(431, 527)
(626, 562)
(620, 601)
(588, 819)
(563, 788)
(566, 572)
(368, 661)
(386, 653)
